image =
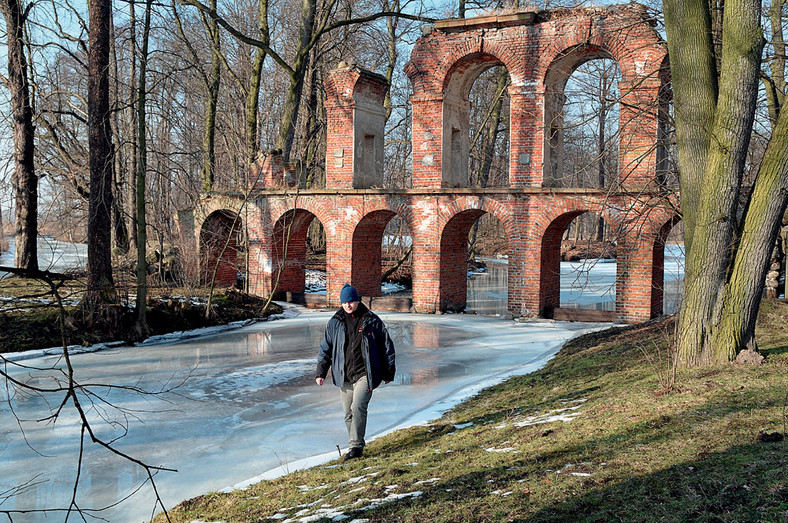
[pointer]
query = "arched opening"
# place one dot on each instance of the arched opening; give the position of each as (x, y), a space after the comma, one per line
(581, 129)
(578, 272)
(222, 249)
(290, 237)
(473, 265)
(382, 246)
(668, 273)
(476, 113)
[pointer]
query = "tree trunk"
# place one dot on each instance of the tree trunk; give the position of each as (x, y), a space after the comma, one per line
(209, 142)
(694, 81)
(759, 232)
(101, 286)
(142, 233)
(253, 97)
(24, 178)
(295, 88)
(132, 130)
(717, 156)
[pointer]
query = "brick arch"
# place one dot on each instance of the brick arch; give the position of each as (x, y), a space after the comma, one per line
(554, 81)
(636, 47)
(640, 55)
(453, 271)
(549, 228)
(219, 244)
(658, 264)
(280, 207)
(486, 205)
(367, 242)
(288, 249)
(553, 209)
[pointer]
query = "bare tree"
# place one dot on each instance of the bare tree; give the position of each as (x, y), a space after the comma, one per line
(101, 284)
(25, 181)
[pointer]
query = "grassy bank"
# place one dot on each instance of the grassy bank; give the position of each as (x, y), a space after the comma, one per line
(593, 436)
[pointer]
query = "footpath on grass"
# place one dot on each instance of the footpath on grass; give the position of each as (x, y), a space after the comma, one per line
(600, 433)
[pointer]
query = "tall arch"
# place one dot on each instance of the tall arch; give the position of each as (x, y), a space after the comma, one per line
(220, 248)
(366, 252)
(555, 82)
(460, 216)
(288, 250)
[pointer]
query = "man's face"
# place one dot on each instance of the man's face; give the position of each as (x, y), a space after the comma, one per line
(350, 306)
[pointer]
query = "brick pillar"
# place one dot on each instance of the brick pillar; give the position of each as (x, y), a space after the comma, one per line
(427, 139)
(339, 251)
(523, 277)
(271, 171)
(634, 279)
(426, 257)
(525, 161)
(638, 133)
(355, 127)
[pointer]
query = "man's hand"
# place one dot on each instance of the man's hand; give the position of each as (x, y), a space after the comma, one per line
(319, 381)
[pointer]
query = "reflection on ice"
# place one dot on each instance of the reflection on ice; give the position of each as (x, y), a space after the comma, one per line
(586, 284)
(248, 404)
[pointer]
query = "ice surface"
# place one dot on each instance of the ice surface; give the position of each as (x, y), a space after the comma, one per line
(248, 407)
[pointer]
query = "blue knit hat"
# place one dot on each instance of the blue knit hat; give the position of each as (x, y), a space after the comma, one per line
(348, 294)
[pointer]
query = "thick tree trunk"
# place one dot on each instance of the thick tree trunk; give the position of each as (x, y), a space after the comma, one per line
(694, 81)
(713, 231)
(759, 232)
(24, 178)
(101, 286)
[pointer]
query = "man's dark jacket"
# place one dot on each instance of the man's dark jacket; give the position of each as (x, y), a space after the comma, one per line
(376, 347)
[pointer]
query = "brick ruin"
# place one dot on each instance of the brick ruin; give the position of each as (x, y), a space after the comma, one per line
(539, 50)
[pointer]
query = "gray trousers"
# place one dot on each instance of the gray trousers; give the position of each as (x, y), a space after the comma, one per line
(355, 398)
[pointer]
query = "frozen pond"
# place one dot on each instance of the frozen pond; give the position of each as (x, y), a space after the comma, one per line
(588, 284)
(248, 405)
(53, 255)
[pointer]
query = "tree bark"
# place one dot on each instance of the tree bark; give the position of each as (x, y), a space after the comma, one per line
(209, 142)
(142, 224)
(253, 97)
(101, 286)
(694, 81)
(24, 179)
(721, 113)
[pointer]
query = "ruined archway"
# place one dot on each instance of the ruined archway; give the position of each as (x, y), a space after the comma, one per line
(454, 258)
(666, 283)
(553, 295)
(475, 107)
(221, 247)
(366, 254)
(562, 121)
(289, 250)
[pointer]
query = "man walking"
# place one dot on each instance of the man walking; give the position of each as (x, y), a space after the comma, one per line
(360, 353)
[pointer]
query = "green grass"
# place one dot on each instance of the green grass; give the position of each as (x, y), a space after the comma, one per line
(633, 450)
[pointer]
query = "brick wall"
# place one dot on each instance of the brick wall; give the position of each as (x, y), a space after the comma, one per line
(536, 48)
